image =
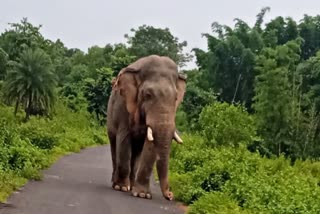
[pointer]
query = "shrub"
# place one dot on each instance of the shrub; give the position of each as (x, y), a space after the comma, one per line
(215, 173)
(254, 183)
(26, 148)
(216, 202)
(9, 182)
(40, 133)
(225, 124)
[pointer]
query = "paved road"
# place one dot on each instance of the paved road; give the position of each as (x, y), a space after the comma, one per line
(80, 183)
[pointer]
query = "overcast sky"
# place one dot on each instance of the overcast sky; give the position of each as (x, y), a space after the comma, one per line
(81, 24)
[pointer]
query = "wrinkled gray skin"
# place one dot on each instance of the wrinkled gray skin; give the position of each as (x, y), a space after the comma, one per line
(145, 94)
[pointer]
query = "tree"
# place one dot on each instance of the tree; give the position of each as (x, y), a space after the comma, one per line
(228, 65)
(148, 40)
(95, 59)
(309, 30)
(97, 93)
(20, 37)
(274, 100)
(78, 74)
(229, 70)
(310, 72)
(260, 18)
(3, 63)
(279, 31)
(120, 58)
(31, 83)
(195, 99)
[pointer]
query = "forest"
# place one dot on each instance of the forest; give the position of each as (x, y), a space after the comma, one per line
(249, 118)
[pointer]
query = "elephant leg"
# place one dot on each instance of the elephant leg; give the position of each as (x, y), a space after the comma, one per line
(134, 163)
(123, 152)
(162, 169)
(113, 145)
(137, 146)
(147, 159)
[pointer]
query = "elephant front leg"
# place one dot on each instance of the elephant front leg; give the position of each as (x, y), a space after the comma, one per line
(121, 178)
(142, 184)
(162, 169)
(137, 146)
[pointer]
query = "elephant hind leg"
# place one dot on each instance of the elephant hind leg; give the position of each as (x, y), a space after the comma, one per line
(113, 146)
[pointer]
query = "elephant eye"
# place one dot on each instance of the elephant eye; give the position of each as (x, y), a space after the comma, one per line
(147, 95)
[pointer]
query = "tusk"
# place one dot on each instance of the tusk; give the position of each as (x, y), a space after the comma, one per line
(177, 138)
(149, 134)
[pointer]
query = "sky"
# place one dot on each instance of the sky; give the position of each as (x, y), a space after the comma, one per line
(81, 24)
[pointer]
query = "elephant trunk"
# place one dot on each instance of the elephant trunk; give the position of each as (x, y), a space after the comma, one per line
(161, 131)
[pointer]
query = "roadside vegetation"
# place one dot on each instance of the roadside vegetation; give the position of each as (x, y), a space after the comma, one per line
(249, 119)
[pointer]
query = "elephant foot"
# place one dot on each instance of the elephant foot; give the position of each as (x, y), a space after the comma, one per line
(168, 195)
(141, 192)
(120, 187)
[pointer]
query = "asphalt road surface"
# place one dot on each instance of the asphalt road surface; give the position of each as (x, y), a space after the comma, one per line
(81, 183)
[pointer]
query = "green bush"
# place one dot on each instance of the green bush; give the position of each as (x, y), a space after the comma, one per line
(28, 147)
(181, 120)
(216, 203)
(256, 184)
(39, 133)
(216, 173)
(9, 182)
(188, 156)
(225, 124)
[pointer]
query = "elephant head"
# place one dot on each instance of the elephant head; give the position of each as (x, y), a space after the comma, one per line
(153, 89)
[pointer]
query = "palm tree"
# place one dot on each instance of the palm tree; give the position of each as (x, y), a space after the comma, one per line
(31, 83)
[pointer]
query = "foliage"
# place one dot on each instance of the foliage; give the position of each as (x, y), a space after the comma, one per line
(228, 66)
(97, 93)
(228, 125)
(3, 63)
(223, 178)
(310, 86)
(31, 83)
(26, 148)
(248, 182)
(181, 120)
(216, 203)
(309, 30)
(275, 96)
(194, 100)
(148, 40)
(256, 89)
(20, 37)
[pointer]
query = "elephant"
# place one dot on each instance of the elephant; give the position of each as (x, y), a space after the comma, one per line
(141, 123)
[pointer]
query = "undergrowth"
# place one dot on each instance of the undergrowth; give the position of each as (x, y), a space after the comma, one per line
(26, 148)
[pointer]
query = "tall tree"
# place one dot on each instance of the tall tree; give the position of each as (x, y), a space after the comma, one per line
(97, 92)
(149, 40)
(274, 101)
(309, 29)
(31, 83)
(279, 31)
(310, 72)
(20, 37)
(3, 63)
(228, 69)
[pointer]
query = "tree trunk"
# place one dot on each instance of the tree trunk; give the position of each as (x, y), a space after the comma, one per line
(28, 109)
(17, 106)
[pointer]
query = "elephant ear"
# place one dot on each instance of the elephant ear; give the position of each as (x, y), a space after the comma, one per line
(127, 84)
(181, 89)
